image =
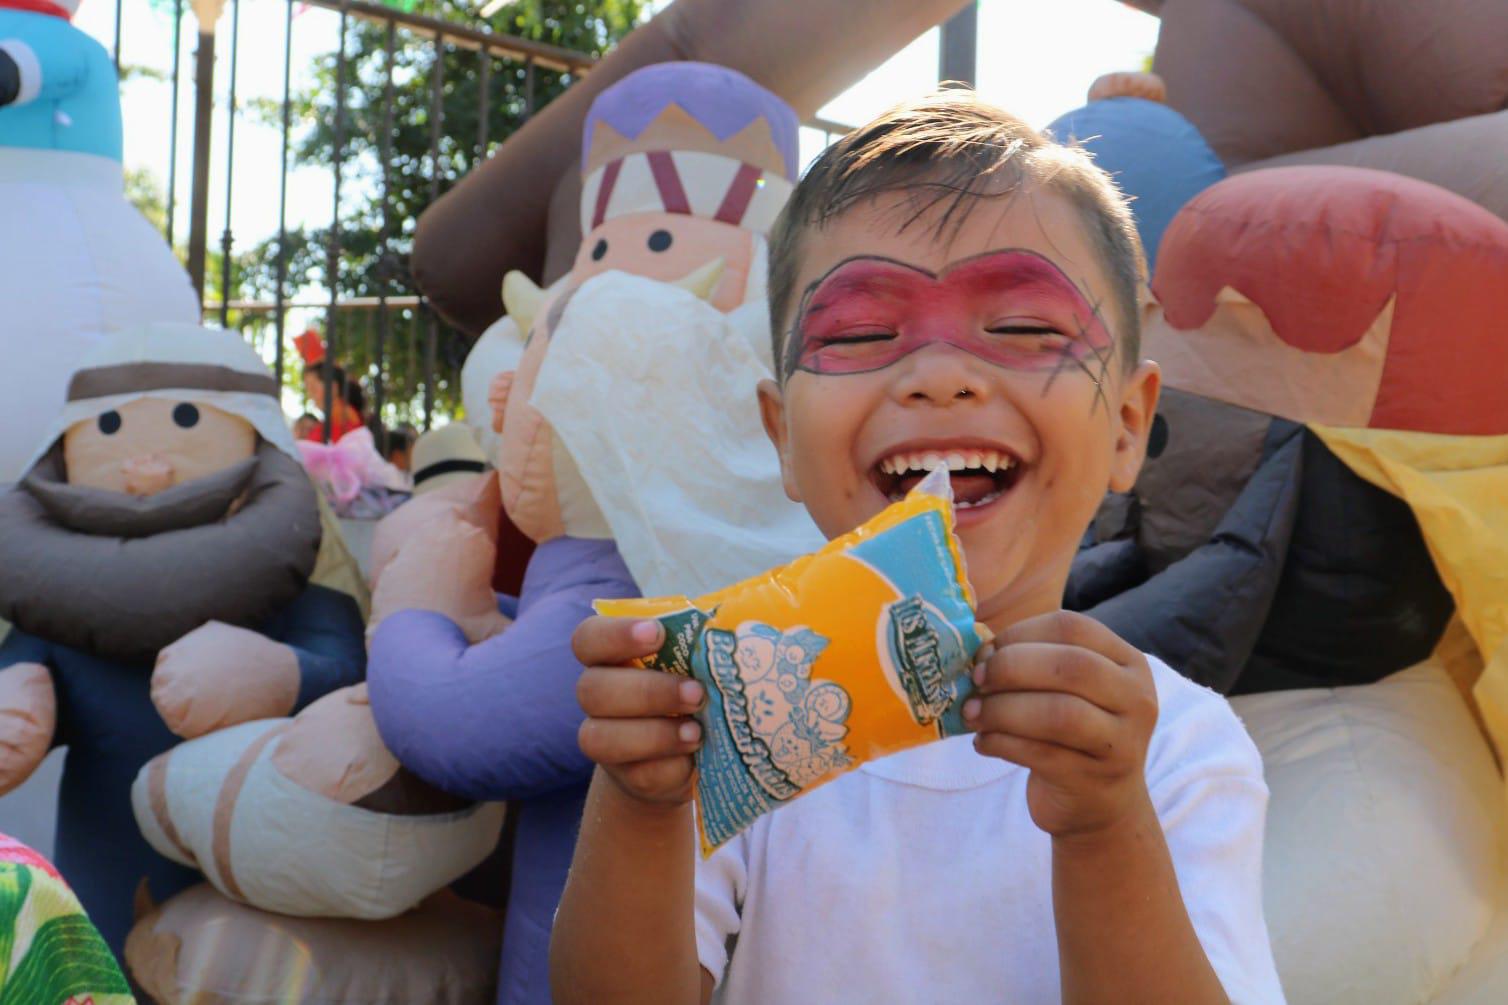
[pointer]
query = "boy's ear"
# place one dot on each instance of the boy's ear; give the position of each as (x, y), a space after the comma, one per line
(772, 414)
(1138, 408)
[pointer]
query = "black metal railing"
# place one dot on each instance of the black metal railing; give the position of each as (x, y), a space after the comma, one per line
(376, 323)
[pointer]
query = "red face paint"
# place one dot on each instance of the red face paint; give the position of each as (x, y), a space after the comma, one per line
(1012, 308)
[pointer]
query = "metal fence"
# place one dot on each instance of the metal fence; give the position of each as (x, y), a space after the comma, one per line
(375, 321)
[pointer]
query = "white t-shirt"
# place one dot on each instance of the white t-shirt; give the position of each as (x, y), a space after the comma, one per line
(920, 877)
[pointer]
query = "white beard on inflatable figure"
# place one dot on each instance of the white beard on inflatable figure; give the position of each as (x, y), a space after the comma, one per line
(631, 411)
(77, 262)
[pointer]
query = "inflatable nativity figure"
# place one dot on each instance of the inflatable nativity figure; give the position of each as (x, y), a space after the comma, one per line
(161, 563)
(630, 440)
(1320, 531)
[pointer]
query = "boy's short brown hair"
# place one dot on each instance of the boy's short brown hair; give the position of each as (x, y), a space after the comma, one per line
(950, 149)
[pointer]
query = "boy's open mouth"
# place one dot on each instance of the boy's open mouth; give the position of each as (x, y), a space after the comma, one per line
(979, 475)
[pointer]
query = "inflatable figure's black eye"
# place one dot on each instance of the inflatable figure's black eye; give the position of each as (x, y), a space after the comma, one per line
(659, 240)
(1157, 439)
(186, 415)
(109, 423)
(599, 249)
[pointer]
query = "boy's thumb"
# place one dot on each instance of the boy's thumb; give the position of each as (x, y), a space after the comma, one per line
(601, 641)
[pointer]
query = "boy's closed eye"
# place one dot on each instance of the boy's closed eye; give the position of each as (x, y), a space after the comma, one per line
(1012, 308)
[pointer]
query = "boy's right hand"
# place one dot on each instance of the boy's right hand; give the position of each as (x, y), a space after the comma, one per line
(638, 724)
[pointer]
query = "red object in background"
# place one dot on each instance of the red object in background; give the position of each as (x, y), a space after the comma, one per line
(1323, 249)
(38, 7)
(513, 553)
(346, 419)
(311, 348)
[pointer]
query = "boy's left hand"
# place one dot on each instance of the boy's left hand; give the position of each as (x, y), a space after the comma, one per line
(1065, 697)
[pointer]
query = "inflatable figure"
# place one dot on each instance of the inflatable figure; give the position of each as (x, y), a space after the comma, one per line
(1155, 155)
(1420, 89)
(163, 566)
(806, 51)
(77, 262)
(446, 455)
(686, 165)
(310, 816)
(62, 958)
(200, 947)
(1320, 527)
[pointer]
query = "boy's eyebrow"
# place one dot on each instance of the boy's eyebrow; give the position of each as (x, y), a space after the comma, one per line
(805, 307)
(1042, 273)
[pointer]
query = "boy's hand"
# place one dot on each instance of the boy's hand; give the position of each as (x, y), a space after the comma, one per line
(1068, 699)
(638, 725)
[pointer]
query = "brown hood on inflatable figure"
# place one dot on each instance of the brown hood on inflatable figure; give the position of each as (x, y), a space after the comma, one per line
(1420, 89)
(806, 51)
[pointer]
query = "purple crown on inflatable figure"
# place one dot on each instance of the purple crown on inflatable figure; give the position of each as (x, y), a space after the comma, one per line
(688, 138)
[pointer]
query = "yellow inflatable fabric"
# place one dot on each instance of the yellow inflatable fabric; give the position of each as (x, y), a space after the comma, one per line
(1457, 487)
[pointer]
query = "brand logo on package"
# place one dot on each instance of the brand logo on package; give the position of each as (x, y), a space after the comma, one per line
(918, 645)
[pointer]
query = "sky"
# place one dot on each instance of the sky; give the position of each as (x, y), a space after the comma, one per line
(1035, 59)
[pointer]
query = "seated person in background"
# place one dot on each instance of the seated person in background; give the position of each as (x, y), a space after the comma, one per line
(400, 445)
(944, 281)
(306, 427)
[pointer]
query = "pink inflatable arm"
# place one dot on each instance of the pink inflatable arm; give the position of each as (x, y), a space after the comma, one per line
(28, 718)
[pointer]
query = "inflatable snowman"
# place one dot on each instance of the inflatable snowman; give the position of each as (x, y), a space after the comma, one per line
(77, 262)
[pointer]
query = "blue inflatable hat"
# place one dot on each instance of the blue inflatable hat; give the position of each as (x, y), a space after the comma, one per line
(1154, 154)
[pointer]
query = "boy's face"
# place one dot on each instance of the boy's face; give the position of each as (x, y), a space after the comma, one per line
(991, 347)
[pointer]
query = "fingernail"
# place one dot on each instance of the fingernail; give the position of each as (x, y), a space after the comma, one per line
(979, 673)
(691, 693)
(971, 708)
(647, 632)
(689, 732)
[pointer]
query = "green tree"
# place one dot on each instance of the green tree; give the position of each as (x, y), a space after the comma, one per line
(376, 232)
(145, 192)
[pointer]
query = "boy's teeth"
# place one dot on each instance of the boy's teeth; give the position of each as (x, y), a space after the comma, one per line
(988, 460)
(982, 501)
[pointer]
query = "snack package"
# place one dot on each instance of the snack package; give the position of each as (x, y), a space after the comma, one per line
(856, 651)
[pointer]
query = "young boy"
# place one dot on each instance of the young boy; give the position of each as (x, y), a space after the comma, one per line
(946, 287)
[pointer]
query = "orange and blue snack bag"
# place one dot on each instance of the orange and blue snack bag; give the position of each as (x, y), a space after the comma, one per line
(856, 651)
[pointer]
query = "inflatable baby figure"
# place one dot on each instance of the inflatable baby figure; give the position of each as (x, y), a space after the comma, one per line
(78, 262)
(160, 564)
(685, 167)
(1320, 529)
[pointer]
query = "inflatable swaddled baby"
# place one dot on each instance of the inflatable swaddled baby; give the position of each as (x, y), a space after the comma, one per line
(1320, 529)
(161, 563)
(631, 451)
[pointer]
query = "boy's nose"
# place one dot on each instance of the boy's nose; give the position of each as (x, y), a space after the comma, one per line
(939, 374)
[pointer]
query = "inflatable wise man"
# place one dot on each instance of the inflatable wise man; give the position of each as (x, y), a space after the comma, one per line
(159, 563)
(1322, 528)
(77, 261)
(630, 422)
